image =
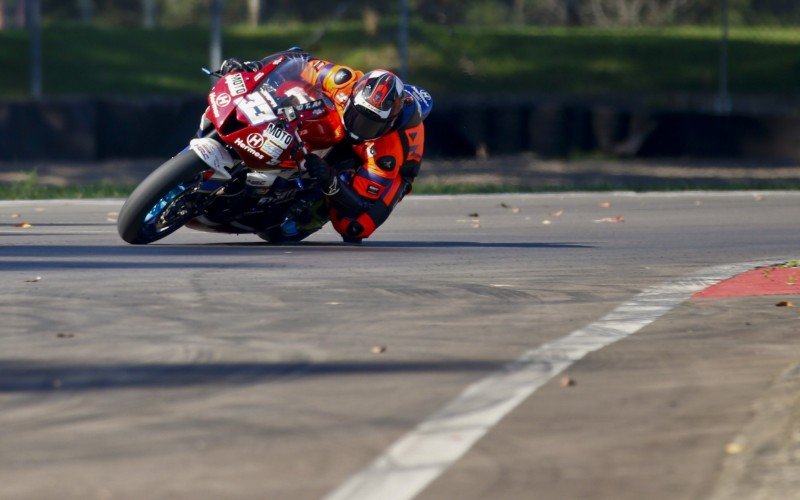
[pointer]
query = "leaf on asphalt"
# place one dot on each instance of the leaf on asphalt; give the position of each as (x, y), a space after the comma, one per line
(15, 216)
(557, 213)
(34, 280)
(23, 225)
(604, 204)
(546, 222)
(612, 220)
(758, 197)
(567, 381)
(514, 210)
(65, 335)
(378, 349)
(733, 448)
(476, 223)
(474, 215)
(785, 303)
(39, 209)
(112, 216)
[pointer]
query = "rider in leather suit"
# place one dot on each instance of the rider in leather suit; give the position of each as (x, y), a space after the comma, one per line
(374, 164)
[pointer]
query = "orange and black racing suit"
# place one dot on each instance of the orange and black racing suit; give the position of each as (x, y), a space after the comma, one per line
(381, 170)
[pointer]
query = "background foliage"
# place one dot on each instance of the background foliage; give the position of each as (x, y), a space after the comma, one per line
(474, 12)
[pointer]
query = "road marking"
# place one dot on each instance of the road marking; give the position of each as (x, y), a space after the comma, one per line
(414, 461)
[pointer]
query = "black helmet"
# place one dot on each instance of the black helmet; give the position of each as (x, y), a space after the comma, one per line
(375, 103)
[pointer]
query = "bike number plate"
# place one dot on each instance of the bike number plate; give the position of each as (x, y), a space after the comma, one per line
(256, 108)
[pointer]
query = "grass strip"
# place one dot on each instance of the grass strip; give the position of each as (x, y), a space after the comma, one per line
(80, 60)
(15, 191)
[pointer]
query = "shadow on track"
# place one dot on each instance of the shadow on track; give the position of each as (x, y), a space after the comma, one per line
(412, 244)
(218, 255)
(35, 376)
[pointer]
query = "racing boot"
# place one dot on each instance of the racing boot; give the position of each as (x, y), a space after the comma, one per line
(308, 214)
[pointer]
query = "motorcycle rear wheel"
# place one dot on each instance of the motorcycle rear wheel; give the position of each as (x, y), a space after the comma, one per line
(158, 206)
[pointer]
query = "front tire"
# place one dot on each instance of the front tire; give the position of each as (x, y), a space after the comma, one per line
(147, 214)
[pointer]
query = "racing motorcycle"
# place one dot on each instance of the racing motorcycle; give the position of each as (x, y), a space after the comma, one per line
(244, 168)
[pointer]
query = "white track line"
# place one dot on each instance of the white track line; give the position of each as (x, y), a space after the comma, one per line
(410, 464)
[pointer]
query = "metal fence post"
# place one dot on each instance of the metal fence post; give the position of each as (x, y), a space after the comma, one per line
(403, 40)
(723, 104)
(34, 22)
(216, 34)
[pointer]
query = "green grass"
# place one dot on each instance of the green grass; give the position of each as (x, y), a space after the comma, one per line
(462, 60)
(35, 191)
(31, 189)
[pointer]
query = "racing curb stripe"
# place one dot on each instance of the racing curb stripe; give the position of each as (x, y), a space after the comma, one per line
(415, 460)
(764, 281)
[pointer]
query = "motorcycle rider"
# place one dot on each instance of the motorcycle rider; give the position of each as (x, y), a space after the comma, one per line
(374, 164)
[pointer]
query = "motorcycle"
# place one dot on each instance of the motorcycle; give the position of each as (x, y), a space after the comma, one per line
(244, 168)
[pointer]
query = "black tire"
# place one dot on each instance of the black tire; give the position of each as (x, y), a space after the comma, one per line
(183, 168)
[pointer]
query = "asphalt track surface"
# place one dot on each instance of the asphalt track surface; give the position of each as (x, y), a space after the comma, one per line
(216, 366)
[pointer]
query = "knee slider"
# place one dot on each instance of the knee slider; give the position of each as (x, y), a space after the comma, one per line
(354, 229)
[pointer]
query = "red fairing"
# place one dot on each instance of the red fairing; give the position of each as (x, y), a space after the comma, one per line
(260, 115)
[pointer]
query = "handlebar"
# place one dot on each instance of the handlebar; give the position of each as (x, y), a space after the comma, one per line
(211, 73)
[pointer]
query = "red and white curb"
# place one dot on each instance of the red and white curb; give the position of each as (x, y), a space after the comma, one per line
(763, 281)
(414, 461)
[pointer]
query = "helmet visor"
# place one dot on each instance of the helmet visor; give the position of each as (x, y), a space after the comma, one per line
(362, 126)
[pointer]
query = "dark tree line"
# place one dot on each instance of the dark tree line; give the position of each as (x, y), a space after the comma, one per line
(151, 13)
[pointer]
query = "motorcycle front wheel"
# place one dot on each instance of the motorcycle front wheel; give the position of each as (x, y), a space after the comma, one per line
(162, 203)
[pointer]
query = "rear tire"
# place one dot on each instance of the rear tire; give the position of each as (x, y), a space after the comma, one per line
(138, 221)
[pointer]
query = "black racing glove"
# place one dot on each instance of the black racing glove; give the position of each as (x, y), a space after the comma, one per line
(233, 64)
(319, 170)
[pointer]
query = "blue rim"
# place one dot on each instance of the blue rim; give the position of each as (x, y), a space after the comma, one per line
(163, 203)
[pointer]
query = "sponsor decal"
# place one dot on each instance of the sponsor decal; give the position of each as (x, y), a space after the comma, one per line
(310, 105)
(223, 100)
(239, 142)
(212, 97)
(422, 95)
(386, 163)
(277, 140)
(258, 77)
(373, 189)
(214, 155)
(280, 136)
(278, 61)
(255, 140)
(342, 97)
(236, 84)
(371, 150)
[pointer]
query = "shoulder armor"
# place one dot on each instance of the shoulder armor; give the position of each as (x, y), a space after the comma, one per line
(423, 99)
